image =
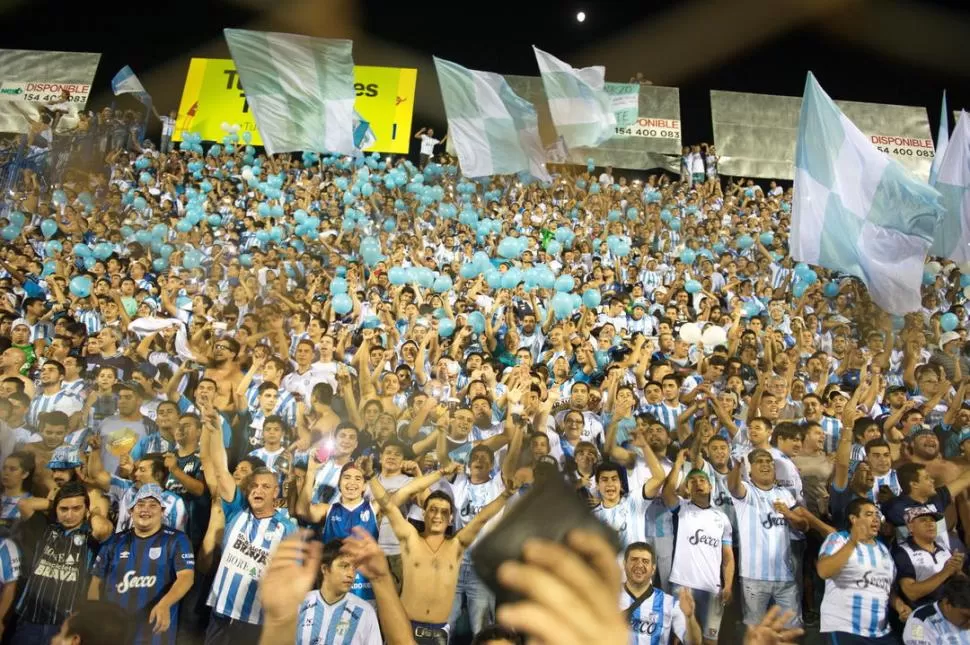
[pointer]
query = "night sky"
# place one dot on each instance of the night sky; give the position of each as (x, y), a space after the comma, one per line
(889, 51)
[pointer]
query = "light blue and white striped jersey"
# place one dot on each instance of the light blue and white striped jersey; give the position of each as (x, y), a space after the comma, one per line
(153, 443)
(349, 621)
(123, 491)
(889, 479)
(61, 401)
(856, 599)
(928, 626)
(832, 428)
(78, 388)
(91, 319)
(653, 621)
(246, 546)
(325, 484)
(763, 533)
(9, 561)
(628, 518)
(9, 509)
(666, 414)
(285, 404)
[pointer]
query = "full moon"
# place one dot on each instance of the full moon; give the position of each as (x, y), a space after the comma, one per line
(580, 17)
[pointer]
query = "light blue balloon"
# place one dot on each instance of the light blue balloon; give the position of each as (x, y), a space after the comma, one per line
(565, 283)
(476, 321)
(48, 227)
(80, 286)
(53, 247)
(949, 321)
(767, 238)
(799, 289)
(338, 286)
(166, 250)
(342, 304)
(592, 298)
(10, 232)
(750, 309)
(493, 279)
(139, 204)
(745, 242)
(687, 256)
(692, 286)
(446, 327)
(442, 284)
(831, 290)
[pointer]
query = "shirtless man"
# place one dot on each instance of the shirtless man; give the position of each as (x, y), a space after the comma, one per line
(224, 370)
(432, 560)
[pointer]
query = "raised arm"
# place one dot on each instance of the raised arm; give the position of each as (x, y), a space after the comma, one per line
(735, 485)
(403, 529)
(305, 509)
(212, 422)
(670, 497)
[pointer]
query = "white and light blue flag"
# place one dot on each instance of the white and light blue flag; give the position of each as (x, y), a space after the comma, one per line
(300, 89)
(125, 82)
(581, 108)
(856, 210)
(364, 136)
(952, 238)
(495, 131)
(942, 139)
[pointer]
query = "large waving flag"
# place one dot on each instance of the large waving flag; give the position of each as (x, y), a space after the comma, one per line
(495, 131)
(300, 89)
(942, 139)
(952, 238)
(125, 82)
(856, 210)
(580, 107)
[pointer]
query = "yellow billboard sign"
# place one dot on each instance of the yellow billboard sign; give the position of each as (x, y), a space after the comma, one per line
(213, 95)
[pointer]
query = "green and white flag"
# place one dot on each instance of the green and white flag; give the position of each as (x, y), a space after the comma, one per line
(495, 131)
(581, 108)
(300, 89)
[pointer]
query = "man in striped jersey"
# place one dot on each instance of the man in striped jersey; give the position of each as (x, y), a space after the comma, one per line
(654, 615)
(944, 622)
(146, 570)
(52, 397)
(859, 572)
(123, 492)
(9, 574)
(253, 529)
(765, 512)
(670, 409)
(331, 615)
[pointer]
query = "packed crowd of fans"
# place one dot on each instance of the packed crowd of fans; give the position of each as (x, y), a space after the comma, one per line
(202, 351)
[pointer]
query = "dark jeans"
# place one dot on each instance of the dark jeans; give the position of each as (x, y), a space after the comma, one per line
(226, 631)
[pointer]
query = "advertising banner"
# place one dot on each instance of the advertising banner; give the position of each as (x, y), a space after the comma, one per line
(646, 135)
(30, 79)
(755, 133)
(213, 95)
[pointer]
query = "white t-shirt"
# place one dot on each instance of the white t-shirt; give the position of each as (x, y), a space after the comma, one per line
(701, 532)
(428, 144)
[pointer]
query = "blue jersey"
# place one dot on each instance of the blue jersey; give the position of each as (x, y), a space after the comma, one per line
(137, 572)
(349, 621)
(339, 524)
(657, 617)
(153, 443)
(246, 545)
(9, 561)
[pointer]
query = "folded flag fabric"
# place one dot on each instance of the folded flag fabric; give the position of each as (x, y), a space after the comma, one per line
(125, 82)
(495, 131)
(300, 89)
(942, 139)
(581, 108)
(952, 239)
(364, 136)
(856, 210)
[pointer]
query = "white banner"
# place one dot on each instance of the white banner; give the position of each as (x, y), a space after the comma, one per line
(649, 136)
(30, 79)
(755, 133)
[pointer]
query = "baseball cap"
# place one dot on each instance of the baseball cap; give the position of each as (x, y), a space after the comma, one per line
(697, 472)
(65, 458)
(20, 322)
(948, 337)
(835, 393)
(148, 370)
(129, 385)
(148, 491)
(915, 512)
(896, 388)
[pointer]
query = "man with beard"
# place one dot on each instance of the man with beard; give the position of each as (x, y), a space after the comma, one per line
(703, 556)
(654, 615)
(146, 570)
(847, 486)
(224, 370)
(579, 401)
(61, 548)
(925, 449)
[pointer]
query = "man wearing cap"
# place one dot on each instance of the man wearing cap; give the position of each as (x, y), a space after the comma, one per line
(919, 489)
(923, 563)
(147, 470)
(58, 551)
(146, 570)
(944, 621)
(703, 557)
